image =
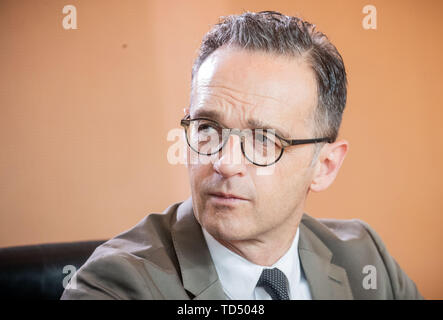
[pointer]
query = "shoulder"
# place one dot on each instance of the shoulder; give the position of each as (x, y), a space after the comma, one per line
(148, 239)
(336, 229)
(149, 235)
(137, 253)
(355, 246)
(349, 241)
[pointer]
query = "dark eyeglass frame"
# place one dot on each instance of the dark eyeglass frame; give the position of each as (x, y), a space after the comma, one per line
(186, 122)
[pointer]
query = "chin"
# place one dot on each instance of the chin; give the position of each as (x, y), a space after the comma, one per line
(226, 227)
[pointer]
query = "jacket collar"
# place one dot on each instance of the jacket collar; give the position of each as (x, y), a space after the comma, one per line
(197, 269)
(326, 280)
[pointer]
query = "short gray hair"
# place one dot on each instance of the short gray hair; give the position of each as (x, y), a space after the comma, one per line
(273, 32)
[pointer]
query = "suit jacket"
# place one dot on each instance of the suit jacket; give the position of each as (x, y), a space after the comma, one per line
(165, 256)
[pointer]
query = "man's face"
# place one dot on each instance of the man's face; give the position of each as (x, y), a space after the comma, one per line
(279, 91)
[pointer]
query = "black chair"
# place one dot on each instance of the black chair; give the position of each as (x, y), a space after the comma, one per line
(37, 271)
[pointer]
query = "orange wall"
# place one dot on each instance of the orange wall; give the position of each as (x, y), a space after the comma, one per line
(85, 114)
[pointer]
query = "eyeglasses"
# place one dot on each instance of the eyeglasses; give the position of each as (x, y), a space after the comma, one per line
(262, 147)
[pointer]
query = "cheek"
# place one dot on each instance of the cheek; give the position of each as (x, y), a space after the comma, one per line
(195, 173)
(198, 174)
(271, 189)
(284, 187)
(193, 166)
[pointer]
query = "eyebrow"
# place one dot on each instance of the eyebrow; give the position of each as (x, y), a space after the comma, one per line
(252, 123)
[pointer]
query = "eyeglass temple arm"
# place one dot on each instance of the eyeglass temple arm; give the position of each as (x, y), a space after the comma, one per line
(307, 141)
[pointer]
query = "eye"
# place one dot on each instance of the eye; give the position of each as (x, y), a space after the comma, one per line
(263, 136)
(206, 127)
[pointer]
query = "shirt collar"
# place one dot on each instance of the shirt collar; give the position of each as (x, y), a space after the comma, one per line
(240, 276)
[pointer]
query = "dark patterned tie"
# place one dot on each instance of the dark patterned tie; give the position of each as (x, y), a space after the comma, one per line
(275, 283)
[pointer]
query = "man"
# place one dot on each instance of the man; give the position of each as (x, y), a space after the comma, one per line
(268, 93)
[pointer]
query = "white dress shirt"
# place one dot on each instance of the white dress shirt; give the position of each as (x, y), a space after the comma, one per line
(239, 276)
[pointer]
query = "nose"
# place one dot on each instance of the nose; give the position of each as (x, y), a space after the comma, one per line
(231, 161)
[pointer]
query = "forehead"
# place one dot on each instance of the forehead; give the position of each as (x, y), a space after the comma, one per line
(242, 85)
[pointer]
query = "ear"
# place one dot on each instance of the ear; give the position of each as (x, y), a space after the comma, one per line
(186, 111)
(328, 165)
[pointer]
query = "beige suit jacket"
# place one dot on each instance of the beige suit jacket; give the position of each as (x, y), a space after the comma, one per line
(165, 256)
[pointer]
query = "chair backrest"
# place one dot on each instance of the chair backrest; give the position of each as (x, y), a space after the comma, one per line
(37, 271)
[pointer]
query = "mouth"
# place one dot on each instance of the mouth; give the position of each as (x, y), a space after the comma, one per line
(226, 195)
(226, 198)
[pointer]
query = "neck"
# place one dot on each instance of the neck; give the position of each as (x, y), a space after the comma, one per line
(264, 250)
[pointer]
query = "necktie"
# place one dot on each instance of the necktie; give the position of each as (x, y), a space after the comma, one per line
(275, 283)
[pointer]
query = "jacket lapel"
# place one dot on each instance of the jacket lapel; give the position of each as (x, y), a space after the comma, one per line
(197, 269)
(326, 280)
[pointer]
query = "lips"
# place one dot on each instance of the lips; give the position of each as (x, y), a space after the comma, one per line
(227, 195)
